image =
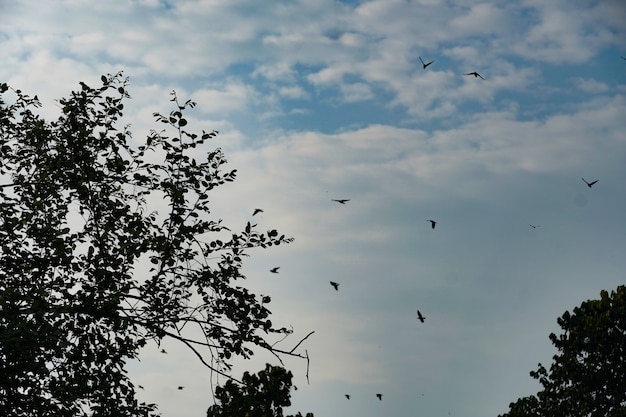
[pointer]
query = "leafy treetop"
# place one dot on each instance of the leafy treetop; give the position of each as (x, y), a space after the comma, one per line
(588, 376)
(78, 225)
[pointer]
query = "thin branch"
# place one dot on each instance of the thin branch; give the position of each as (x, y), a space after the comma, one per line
(277, 357)
(306, 337)
(195, 351)
(291, 353)
(307, 366)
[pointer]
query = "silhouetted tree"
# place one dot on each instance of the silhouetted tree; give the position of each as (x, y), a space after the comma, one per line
(90, 271)
(524, 407)
(588, 376)
(259, 395)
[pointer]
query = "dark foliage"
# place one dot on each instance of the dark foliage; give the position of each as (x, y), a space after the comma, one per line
(90, 272)
(588, 376)
(260, 395)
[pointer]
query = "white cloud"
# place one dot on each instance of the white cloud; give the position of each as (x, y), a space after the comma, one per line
(293, 92)
(484, 19)
(329, 75)
(590, 85)
(278, 71)
(356, 92)
(560, 34)
(231, 97)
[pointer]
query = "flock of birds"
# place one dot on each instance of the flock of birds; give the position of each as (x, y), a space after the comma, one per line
(433, 223)
(420, 317)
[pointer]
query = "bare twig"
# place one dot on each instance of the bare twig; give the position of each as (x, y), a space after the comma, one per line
(305, 337)
(307, 366)
(212, 368)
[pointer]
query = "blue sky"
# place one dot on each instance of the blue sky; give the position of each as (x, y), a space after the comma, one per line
(321, 99)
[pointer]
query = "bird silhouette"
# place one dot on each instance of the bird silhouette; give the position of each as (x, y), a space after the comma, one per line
(163, 351)
(475, 74)
(590, 184)
(344, 201)
(380, 397)
(180, 387)
(275, 270)
(257, 211)
(420, 317)
(347, 396)
(534, 226)
(335, 285)
(432, 223)
(423, 64)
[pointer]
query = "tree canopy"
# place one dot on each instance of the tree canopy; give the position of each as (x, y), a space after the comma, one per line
(588, 375)
(107, 245)
(261, 395)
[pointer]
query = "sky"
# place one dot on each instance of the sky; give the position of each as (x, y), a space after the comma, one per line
(325, 99)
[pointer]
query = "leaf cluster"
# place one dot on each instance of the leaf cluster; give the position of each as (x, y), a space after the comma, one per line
(260, 395)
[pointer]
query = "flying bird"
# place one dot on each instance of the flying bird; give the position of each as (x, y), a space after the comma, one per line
(534, 226)
(432, 223)
(340, 201)
(257, 211)
(475, 74)
(423, 64)
(347, 396)
(590, 184)
(380, 397)
(335, 285)
(275, 270)
(420, 317)
(163, 351)
(180, 387)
